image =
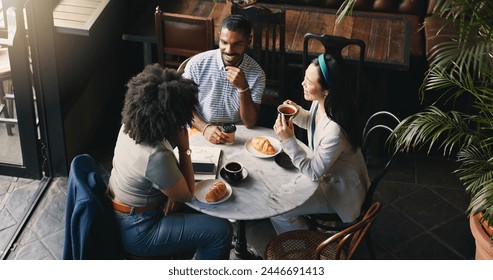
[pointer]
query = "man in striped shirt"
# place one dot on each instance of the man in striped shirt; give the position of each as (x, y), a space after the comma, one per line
(230, 82)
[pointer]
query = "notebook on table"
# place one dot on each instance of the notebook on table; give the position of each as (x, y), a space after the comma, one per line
(205, 161)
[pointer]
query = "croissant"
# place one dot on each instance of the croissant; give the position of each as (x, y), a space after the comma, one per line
(217, 192)
(263, 145)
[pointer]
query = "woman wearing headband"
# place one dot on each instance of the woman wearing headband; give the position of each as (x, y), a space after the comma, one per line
(335, 140)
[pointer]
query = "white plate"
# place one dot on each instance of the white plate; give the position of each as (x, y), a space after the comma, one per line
(250, 149)
(202, 187)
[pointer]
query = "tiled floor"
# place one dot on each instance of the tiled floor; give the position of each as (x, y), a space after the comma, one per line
(422, 217)
(424, 212)
(16, 201)
(42, 237)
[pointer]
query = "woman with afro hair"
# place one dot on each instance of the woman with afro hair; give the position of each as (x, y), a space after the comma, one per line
(148, 184)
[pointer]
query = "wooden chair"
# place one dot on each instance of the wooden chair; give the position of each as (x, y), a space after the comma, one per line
(181, 68)
(90, 229)
(95, 235)
(339, 47)
(268, 47)
(383, 122)
(316, 245)
(181, 36)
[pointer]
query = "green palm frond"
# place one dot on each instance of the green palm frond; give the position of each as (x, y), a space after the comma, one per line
(457, 79)
(476, 172)
(473, 47)
(473, 53)
(446, 52)
(478, 10)
(434, 128)
(346, 9)
(451, 81)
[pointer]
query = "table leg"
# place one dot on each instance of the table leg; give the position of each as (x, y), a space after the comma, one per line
(241, 251)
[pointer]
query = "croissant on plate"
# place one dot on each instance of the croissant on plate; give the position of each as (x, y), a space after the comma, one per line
(217, 192)
(263, 145)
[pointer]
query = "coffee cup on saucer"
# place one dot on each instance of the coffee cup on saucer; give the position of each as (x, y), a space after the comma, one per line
(287, 110)
(234, 170)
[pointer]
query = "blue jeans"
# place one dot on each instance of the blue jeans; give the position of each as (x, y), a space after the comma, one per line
(153, 234)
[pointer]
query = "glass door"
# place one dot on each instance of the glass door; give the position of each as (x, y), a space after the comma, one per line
(20, 147)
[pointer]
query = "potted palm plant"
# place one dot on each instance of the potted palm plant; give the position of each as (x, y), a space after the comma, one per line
(462, 67)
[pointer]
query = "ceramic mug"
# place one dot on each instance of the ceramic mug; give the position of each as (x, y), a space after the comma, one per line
(234, 170)
(287, 110)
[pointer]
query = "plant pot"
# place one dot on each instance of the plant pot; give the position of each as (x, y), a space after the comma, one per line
(488, 229)
(484, 244)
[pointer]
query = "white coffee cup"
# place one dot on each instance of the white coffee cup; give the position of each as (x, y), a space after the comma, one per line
(287, 110)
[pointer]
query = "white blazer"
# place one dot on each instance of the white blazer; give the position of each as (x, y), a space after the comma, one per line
(332, 154)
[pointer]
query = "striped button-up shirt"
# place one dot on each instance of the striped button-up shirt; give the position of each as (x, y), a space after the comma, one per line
(218, 98)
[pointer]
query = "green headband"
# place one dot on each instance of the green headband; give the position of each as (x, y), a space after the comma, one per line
(324, 69)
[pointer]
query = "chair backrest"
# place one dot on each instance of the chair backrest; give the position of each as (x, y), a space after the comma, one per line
(375, 139)
(268, 45)
(338, 47)
(181, 36)
(353, 234)
(181, 68)
(91, 230)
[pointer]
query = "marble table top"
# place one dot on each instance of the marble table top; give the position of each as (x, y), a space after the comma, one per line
(269, 189)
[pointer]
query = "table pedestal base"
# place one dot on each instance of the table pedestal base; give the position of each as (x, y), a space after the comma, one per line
(241, 250)
(249, 254)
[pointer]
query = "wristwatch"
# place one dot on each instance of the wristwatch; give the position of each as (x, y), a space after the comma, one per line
(188, 152)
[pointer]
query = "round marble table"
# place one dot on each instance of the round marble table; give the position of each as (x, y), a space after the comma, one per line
(269, 189)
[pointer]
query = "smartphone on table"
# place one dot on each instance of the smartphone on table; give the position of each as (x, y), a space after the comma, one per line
(204, 167)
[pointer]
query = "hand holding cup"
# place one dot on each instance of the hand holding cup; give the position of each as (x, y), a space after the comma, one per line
(284, 122)
(228, 130)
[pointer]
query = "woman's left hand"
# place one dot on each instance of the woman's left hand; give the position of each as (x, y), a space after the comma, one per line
(284, 129)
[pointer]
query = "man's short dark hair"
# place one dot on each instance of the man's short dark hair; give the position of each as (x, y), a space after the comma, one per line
(237, 23)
